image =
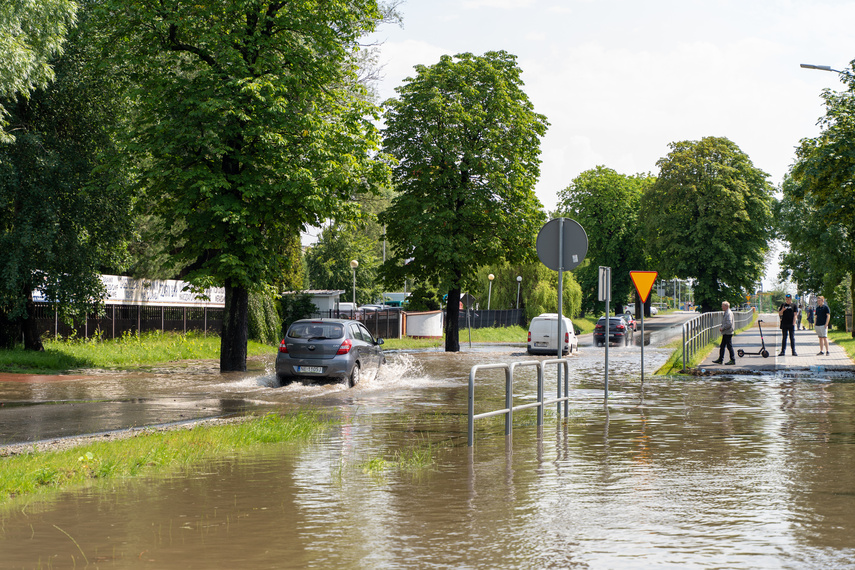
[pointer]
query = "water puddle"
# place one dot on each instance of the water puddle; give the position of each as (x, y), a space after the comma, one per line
(723, 472)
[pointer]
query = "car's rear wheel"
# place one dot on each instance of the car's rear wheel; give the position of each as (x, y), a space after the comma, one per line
(353, 379)
(283, 380)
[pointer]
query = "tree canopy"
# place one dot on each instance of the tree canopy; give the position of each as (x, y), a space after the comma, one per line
(824, 184)
(249, 125)
(31, 34)
(467, 143)
(708, 217)
(63, 215)
(606, 204)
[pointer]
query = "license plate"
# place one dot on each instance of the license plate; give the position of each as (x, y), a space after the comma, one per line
(310, 369)
(540, 344)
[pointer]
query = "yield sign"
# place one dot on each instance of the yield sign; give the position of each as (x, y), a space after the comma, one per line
(643, 281)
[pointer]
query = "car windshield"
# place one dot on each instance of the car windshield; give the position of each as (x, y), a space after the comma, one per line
(317, 331)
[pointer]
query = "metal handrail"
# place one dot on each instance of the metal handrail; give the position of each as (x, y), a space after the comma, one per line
(703, 329)
(509, 408)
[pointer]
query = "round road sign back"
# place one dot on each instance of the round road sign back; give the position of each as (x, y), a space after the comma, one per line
(575, 244)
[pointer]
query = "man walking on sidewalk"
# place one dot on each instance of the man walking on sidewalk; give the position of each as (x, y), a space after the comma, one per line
(726, 329)
(823, 313)
(787, 312)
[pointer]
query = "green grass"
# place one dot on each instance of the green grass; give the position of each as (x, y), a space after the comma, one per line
(844, 339)
(42, 473)
(129, 351)
(514, 334)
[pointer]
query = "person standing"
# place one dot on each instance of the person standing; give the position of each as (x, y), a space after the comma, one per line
(726, 329)
(823, 314)
(799, 316)
(787, 313)
(810, 317)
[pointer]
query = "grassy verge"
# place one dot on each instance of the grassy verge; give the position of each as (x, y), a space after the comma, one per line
(515, 334)
(844, 339)
(129, 351)
(42, 473)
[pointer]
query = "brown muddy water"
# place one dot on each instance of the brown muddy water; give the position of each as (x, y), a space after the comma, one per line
(741, 472)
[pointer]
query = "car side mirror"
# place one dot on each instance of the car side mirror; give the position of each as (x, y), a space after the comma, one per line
(379, 341)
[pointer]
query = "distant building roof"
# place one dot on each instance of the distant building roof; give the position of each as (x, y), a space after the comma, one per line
(318, 292)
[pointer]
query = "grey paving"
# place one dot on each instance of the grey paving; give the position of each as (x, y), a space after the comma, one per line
(807, 349)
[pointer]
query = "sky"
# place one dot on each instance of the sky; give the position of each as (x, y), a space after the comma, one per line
(618, 80)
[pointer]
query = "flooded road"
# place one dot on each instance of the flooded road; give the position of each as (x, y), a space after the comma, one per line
(716, 472)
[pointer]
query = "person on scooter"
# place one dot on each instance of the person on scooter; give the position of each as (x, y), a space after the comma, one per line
(787, 312)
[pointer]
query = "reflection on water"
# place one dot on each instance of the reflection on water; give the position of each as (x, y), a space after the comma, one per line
(748, 472)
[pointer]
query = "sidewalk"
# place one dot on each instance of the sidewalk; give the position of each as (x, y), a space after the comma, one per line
(807, 348)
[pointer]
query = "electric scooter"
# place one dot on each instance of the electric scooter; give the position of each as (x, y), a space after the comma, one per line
(763, 352)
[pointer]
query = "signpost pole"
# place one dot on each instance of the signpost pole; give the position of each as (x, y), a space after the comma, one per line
(643, 281)
(560, 302)
(605, 294)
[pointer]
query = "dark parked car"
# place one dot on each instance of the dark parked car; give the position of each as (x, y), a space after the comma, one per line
(331, 349)
(619, 331)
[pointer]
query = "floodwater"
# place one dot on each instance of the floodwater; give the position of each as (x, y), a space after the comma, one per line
(742, 472)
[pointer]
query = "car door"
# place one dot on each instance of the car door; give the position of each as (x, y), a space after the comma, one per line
(372, 347)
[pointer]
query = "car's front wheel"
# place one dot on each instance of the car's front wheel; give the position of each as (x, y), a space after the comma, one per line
(353, 379)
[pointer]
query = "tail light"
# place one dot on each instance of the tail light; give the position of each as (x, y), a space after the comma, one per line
(283, 348)
(345, 347)
(529, 336)
(567, 337)
(620, 327)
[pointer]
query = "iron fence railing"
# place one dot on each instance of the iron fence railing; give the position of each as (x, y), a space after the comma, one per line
(119, 319)
(541, 402)
(703, 329)
(482, 318)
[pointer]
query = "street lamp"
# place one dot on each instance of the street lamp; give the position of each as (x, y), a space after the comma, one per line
(819, 67)
(490, 294)
(353, 265)
(519, 281)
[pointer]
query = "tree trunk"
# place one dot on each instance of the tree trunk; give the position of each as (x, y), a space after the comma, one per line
(233, 338)
(452, 321)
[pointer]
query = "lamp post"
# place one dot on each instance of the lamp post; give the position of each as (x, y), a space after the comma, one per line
(519, 281)
(353, 265)
(490, 293)
(819, 67)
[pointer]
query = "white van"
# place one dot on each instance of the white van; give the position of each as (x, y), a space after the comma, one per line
(543, 332)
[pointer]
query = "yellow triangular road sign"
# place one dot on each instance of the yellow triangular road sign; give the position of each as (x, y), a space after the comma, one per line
(643, 281)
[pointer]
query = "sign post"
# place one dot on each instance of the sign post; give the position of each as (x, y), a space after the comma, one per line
(643, 281)
(605, 294)
(561, 245)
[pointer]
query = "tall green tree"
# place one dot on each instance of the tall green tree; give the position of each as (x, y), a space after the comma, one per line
(250, 125)
(824, 182)
(708, 217)
(63, 215)
(31, 34)
(817, 254)
(606, 204)
(467, 143)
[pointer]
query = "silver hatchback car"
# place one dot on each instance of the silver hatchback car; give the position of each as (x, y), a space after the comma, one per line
(331, 349)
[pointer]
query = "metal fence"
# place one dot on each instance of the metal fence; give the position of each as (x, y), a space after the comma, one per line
(509, 409)
(381, 324)
(704, 329)
(480, 318)
(120, 319)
